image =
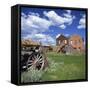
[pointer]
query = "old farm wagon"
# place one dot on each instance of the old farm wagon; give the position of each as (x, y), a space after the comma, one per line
(32, 56)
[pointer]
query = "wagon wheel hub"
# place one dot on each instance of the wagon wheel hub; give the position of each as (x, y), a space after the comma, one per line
(36, 63)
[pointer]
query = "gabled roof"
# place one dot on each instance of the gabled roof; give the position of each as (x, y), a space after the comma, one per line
(61, 37)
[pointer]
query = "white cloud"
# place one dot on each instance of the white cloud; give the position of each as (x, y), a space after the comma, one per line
(40, 36)
(82, 22)
(62, 26)
(33, 25)
(52, 15)
(38, 22)
(58, 35)
(68, 11)
(33, 22)
(68, 18)
(44, 39)
(35, 14)
(61, 21)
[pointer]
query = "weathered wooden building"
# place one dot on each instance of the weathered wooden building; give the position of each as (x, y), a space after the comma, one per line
(61, 40)
(76, 42)
(70, 44)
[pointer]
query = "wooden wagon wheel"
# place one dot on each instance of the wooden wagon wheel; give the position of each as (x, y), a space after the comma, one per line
(36, 62)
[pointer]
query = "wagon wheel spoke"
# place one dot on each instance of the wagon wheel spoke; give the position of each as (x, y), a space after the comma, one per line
(38, 56)
(30, 62)
(40, 59)
(42, 65)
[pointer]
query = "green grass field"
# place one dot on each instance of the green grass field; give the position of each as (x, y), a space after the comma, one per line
(61, 67)
(65, 67)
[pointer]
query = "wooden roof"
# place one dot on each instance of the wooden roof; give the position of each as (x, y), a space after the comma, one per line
(62, 37)
(29, 42)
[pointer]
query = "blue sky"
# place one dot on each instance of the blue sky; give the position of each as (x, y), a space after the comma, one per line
(44, 25)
